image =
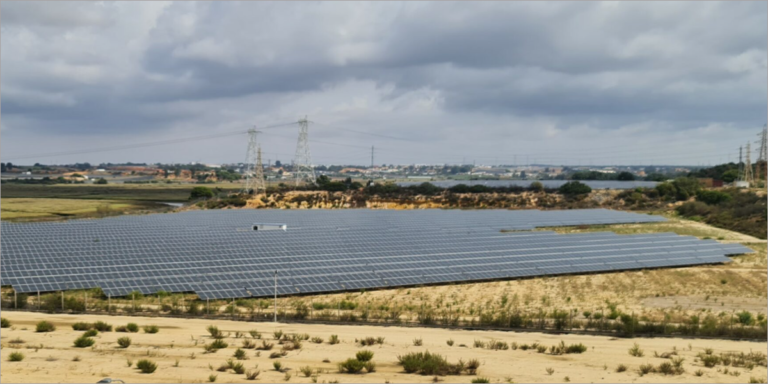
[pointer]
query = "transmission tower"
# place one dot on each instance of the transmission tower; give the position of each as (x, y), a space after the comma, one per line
(741, 165)
(748, 168)
(302, 165)
(254, 173)
(762, 157)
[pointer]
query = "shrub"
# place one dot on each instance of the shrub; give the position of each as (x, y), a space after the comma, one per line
(621, 368)
(84, 342)
(472, 366)
(238, 368)
(364, 355)
(418, 342)
(255, 334)
(102, 326)
(480, 380)
(121, 328)
(333, 340)
(132, 327)
(91, 333)
(216, 345)
(427, 363)
(550, 371)
(636, 351)
(574, 188)
(252, 375)
(277, 334)
(370, 366)
(278, 366)
(351, 366)
(44, 326)
(240, 354)
(4, 323)
(16, 356)
(124, 342)
(709, 361)
(317, 340)
(699, 373)
(212, 378)
(645, 369)
(712, 197)
(666, 368)
(151, 328)
(146, 366)
(265, 346)
(214, 331)
(81, 326)
(249, 344)
(306, 371)
(449, 342)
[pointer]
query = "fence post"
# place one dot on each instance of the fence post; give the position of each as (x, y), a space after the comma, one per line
(109, 303)
(208, 306)
(15, 300)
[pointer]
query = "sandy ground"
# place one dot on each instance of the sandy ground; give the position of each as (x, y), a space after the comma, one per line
(52, 361)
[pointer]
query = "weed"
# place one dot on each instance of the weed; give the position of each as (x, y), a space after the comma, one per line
(215, 332)
(306, 371)
(255, 334)
(5, 323)
(278, 366)
(129, 363)
(277, 334)
(76, 358)
(636, 351)
(124, 342)
(265, 346)
(351, 366)
(16, 356)
(132, 327)
(240, 354)
(287, 376)
(333, 340)
(212, 378)
(44, 326)
(102, 326)
(317, 340)
(449, 342)
(698, 373)
(151, 328)
(252, 375)
(146, 366)
(646, 369)
(81, 326)
(91, 333)
(418, 342)
(621, 368)
(176, 364)
(249, 344)
(84, 342)
(550, 371)
(364, 355)
(480, 380)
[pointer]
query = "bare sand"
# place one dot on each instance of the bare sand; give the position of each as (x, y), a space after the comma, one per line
(49, 356)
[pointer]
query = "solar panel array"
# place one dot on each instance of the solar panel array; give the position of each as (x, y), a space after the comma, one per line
(217, 255)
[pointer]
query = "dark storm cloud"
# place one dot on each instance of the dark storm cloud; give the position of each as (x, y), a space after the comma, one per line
(419, 70)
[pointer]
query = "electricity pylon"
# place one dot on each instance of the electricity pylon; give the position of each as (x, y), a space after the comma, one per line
(748, 168)
(762, 157)
(302, 164)
(254, 173)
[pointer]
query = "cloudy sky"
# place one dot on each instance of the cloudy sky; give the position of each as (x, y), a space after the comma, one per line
(550, 82)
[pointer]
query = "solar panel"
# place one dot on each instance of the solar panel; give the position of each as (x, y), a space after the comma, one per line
(217, 255)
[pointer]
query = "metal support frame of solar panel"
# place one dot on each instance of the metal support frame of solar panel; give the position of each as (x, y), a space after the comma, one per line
(313, 228)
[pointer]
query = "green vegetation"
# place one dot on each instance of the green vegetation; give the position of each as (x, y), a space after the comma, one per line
(84, 342)
(200, 192)
(574, 188)
(16, 356)
(151, 328)
(364, 355)
(44, 326)
(731, 209)
(426, 363)
(5, 323)
(146, 366)
(81, 326)
(91, 333)
(124, 342)
(102, 326)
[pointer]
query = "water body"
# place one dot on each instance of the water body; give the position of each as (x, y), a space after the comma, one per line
(594, 184)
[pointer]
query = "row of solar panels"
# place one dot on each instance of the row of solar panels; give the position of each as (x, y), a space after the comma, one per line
(324, 251)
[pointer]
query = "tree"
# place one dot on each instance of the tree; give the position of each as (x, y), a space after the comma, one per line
(730, 175)
(625, 176)
(537, 186)
(322, 180)
(574, 188)
(101, 181)
(278, 163)
(198, 192)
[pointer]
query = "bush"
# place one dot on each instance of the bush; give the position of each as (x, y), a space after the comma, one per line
(102, 326)
(91, 333)
(334, 339)
(364, 355)
(4, 323)
(240, 354)
(215, 332)
(80, 326)
(306, 371)
(278, 366)
(712, 197)
(200, 192)
(151, 328)
(480, 380)
(84, 342)
(621, 368)
(16, 356)
(351, 366)
(536, 186)
(146, 366)
(252, 375)
(574, 188)
(636, 351)
(132, 327)
(44, 326)
(124, 342)
(427, 363)
(216, 345)
(645, 369)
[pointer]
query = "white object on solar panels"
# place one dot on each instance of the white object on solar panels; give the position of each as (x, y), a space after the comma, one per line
(269, 226)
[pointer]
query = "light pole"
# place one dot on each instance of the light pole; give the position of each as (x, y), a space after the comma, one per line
(275, 296)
